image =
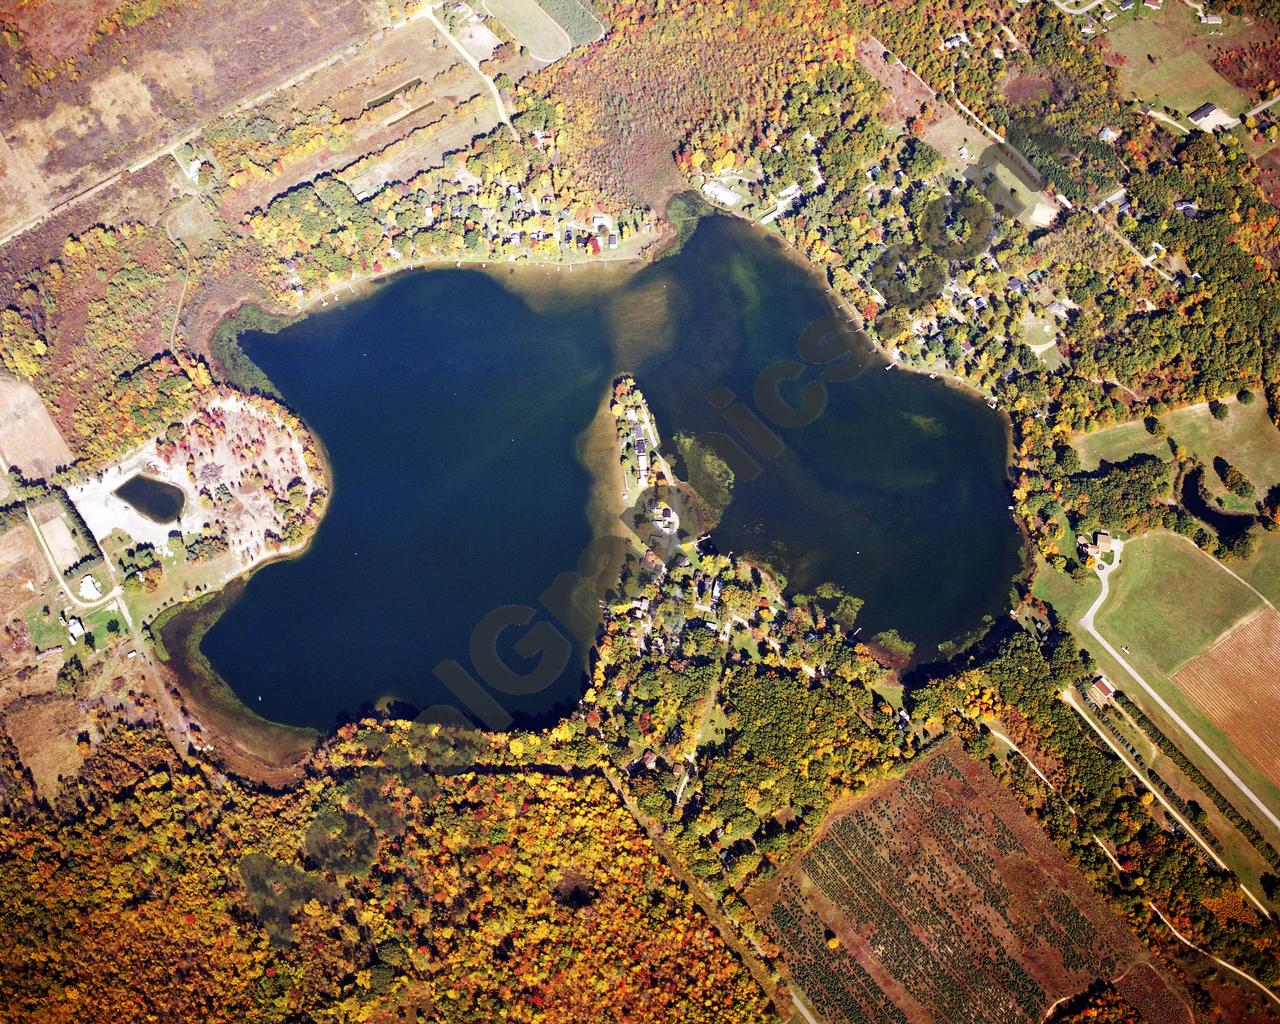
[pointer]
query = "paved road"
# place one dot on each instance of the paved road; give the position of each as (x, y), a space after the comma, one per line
(1087, 622)
(1078, 9)
(1069, 699)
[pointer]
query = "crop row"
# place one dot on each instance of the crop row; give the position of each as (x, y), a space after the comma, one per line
(1197, 777)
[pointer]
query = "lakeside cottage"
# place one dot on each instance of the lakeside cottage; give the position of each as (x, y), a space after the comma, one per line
(721, 194)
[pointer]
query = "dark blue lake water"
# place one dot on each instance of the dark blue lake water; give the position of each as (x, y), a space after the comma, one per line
(454, 406)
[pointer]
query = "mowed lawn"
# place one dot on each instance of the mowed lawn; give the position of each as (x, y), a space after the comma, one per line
(533, 27)
(951, 132)
(1262, 570)
(1170, 601)
(1165, 60)
(1246, 438)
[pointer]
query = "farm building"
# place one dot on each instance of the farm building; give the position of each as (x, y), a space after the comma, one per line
(1209, 118)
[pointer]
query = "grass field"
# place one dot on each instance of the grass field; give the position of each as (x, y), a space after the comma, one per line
(1169, 601)
(1166, 60)
(577, 17)
(192, 225)
(533, 26)
(1263, 569)
(980, 160)
(1069, 598)
(1246, 438)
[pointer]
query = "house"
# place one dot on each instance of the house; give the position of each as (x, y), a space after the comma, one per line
(1108, 134)
(613, 241)
(1154, 5)
(1109, 15)
(1210, 19)
(1126, 5)
(956, 41)
(1186, 207)
(1057, 310)
(1016, 286)
(1103, 540)
(76, 628)
(1103, 689)
(1209, 118)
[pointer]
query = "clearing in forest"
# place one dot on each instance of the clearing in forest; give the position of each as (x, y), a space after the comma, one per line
(1165, 57)
(28, 437)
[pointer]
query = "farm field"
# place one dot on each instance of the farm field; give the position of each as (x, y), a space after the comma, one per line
(134, 93)
(1233, 684)
(1162, 580)
(65, 547)
(532, 26)
(1168, 600)
(1246, 438)
(1164, 57)
(935, 898)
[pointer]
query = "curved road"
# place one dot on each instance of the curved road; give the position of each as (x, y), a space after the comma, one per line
(1087, 621)
(1231, 967)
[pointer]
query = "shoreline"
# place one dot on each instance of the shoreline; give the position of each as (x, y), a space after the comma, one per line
(217, 703)
(362, 287)
(270, 752)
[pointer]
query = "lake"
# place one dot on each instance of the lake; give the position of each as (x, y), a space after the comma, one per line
(454, 406)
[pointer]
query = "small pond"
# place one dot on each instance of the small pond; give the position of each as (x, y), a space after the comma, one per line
(158, 501)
